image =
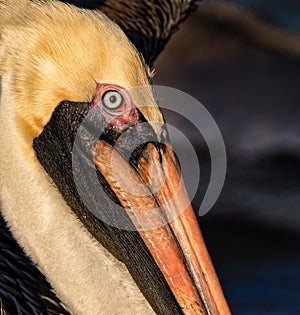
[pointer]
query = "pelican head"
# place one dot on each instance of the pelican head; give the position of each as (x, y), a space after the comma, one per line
(67, 73)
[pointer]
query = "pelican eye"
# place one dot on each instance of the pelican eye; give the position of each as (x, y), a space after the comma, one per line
(112, 100)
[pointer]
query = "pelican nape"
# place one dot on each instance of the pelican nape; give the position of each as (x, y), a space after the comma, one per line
(59, 62)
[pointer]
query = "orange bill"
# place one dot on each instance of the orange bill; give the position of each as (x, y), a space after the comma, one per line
(154, 196)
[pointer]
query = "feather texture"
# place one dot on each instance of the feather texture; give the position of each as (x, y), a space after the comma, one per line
(37, 73)
(23, 288)
(148, 24)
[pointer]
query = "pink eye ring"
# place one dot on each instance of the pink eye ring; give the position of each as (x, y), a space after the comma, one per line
(112, 100)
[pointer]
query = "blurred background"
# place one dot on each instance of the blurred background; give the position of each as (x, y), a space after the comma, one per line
(241, 60)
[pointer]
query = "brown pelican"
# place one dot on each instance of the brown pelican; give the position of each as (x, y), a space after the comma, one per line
(58, 64)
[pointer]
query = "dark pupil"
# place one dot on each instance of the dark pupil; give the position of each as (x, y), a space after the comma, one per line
(113, 99)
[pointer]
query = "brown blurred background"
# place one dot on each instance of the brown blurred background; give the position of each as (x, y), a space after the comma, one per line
(242, 62)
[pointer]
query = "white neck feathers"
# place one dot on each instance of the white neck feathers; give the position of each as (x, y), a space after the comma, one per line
(87, 278)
